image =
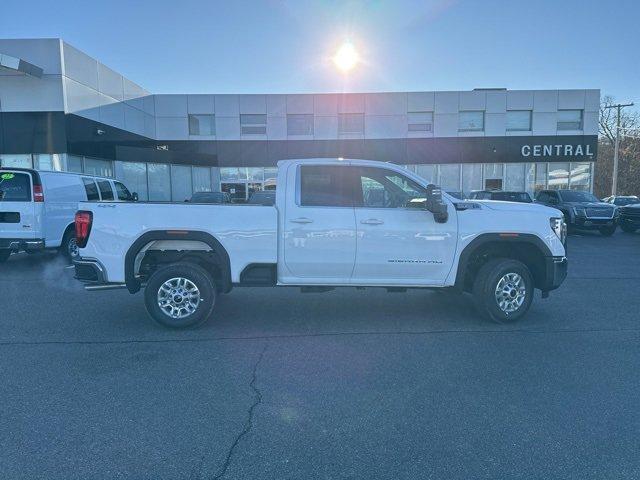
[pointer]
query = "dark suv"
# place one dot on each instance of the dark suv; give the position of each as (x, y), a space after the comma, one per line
(629, 217)
(582, 210)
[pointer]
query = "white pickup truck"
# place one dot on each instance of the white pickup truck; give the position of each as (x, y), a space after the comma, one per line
(335, 223)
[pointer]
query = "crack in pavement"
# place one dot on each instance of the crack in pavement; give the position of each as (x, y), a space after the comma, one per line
(248, 424)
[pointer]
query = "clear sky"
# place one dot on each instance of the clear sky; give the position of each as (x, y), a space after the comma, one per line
(200, 46)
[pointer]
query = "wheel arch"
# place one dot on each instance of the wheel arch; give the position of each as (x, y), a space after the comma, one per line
(224, 263)
(527, 248)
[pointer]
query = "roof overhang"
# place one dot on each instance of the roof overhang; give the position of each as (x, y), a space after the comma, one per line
(19, 65)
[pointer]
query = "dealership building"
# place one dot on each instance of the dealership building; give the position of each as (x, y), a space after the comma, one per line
(61, 109)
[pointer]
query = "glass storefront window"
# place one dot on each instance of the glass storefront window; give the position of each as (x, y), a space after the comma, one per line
(541, 176)
(181, 187)
(558, 177)
(159, 181)
(530, 178)
(450, 177)
(16, 161)
(493, 173)
(270, 178)
(100, 168)
(471, 177)
(514, 177)
(201, 179)
(255, 174)
(134, 176)
(428, 172)
(74, 163)
(580, 178)
(233, 174)
(46, 161)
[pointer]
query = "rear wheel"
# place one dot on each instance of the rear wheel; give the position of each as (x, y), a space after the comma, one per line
(503, 290)
(69, 247)
(180, 295)
(628, 228)
(608, 231)
(5, 253)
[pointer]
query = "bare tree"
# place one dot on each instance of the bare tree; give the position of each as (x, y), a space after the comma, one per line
(629, 120)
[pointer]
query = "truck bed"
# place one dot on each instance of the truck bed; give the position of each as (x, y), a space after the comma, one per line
(247, 232)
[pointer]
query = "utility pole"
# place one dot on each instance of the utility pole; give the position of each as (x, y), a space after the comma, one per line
(618, 107)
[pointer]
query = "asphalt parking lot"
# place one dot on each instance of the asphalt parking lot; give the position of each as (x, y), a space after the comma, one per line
(346, 384)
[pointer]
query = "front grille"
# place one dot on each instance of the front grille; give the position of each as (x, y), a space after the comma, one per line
(599, 212)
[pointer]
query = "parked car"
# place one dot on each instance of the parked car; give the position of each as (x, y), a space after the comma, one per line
(266, 197)
(582, 210)
(325, 231)
(629, 217)
(622, 200)
(522, 197)
(210, 197)
(37, 208)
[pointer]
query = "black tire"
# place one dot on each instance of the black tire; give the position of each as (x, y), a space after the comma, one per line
(69, 248)
(198, 277)
(486, 283)
(628, 228)
(5, 253)
(607, 231)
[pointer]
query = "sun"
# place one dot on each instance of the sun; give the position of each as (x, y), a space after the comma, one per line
(346, 58)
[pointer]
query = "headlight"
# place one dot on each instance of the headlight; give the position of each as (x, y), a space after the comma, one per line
(579, 211)
(559, 228)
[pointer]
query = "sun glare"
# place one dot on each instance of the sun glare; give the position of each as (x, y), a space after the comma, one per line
(346, 57)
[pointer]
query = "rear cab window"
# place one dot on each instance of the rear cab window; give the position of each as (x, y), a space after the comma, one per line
(105, 189)
(91, 188)
(15, 187)
(325, 186)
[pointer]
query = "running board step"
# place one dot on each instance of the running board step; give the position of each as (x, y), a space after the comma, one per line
(316, 289)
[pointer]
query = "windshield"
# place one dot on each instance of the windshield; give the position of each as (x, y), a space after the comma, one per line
(14, 187)
(576, 196)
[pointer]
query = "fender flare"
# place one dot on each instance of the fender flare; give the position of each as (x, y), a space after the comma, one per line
(133, 284)
(484, 238)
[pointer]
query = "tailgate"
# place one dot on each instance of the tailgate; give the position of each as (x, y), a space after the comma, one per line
(18, 219)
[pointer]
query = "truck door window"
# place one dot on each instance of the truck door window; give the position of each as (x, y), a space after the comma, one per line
(123, 192)
(14, 187)
(381, 188)
(325, 186)
(105, 189)
(91, 188)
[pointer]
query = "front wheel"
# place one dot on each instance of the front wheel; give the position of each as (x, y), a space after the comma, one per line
(503, 290)
(180, 295)
(608, 231)
(5, 253)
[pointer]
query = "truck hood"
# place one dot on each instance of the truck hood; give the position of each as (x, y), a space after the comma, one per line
(518, 207)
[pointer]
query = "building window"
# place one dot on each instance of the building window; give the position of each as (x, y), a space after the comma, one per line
(558, 176)
(16, 161)
(580, 178)
(493, 175)
(300, 124)
(100, 168)
(450, 177)
(471, 121)
(420, 121)
(350, 123)
(569, 119)
(518, 120)
(253, 124)
(514, 177)
(202, 125)
(471, 177)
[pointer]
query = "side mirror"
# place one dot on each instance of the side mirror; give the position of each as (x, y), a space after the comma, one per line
(436, 205)
(134, 196)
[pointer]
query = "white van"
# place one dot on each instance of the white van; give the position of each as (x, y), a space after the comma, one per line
(37, 208)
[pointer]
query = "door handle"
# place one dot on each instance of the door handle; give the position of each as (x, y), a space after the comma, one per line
(372, 221)
(301, 220)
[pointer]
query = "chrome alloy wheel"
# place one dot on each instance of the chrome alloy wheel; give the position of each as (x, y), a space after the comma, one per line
(178, 297)
(73, 249)
(510, 293)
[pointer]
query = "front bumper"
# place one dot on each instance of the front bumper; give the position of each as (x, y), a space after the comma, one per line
(585, 223)
(16, 244)
(555, 273)
(630, 221)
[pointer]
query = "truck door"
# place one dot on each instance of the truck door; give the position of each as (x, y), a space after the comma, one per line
(398, 244)
(18, 219)
(319, 226)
